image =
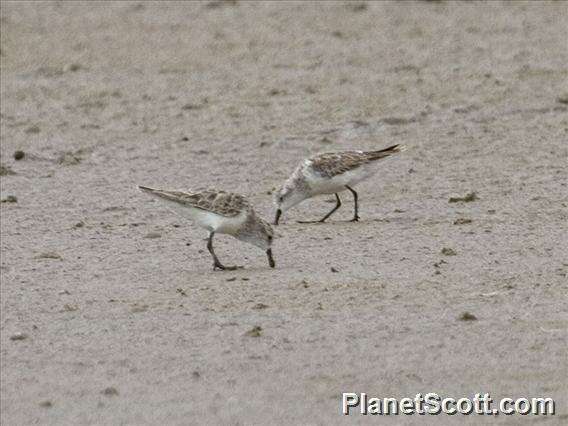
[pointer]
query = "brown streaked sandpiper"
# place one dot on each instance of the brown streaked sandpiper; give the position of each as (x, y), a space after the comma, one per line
(220, 212)
(329, 173)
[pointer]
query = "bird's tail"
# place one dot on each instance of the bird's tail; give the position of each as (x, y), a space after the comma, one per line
(383, 153)
(158, 193)
(146, 188)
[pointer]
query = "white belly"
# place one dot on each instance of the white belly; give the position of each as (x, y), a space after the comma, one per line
(323, 185)
(208, 220)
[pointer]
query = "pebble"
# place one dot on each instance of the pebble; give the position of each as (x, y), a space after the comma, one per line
(6, 171)
(139, 308)
(472, 196)
(68, 159)
(189, 107)
(563, 99)
(49, 255)
(256, 331)
(357, 7)
(446, 251)
(467, 316)
(72, 67)
(153, 235)
(10, 199)
(110, 391)
(69, 308)
(19, 336)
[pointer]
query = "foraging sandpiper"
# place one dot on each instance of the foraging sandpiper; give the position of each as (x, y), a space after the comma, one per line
(220, 212)
(329, 173)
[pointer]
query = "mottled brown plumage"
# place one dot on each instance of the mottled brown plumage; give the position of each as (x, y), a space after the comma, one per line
(220, 202)
(219, 212)
(329, 173)
(335, 163)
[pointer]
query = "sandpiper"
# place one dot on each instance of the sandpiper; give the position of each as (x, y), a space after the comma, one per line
(329, 173)
(219, 212)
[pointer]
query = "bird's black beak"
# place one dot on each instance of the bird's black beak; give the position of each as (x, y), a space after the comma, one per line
(277, 218)
(270, 258)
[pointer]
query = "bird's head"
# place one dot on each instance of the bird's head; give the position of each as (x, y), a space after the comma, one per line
(286, 198)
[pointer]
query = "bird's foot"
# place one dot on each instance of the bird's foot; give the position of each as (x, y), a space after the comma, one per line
(234, 267)
(226, 268)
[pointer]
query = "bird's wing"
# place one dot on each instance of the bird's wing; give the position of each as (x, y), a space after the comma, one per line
(336, 163)
(215, 201)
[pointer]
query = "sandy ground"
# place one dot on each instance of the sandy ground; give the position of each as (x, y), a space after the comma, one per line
(121, 328)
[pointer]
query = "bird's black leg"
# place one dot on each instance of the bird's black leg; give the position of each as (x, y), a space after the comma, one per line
(216, 263)
(356, 216)
(337, 205)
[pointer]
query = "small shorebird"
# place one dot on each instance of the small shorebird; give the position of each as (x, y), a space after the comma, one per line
(220, 212)
(329, 173)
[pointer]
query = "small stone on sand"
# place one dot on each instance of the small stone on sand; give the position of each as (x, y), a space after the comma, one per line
(139, 308)
(462, 221)
(19, 336)
(357, 7)
(152, 235)
(6, 171)
(68, 159)
(72, 67)
(110, 391)
(467, 316)
(256, 331)
(472, 196)
(10, 199)
(190, 106)
(563, 99)
(446, 251)
(49, 255)
(69, 308)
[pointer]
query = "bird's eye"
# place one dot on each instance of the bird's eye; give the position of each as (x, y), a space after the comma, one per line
(281, 198)
(269, 238)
